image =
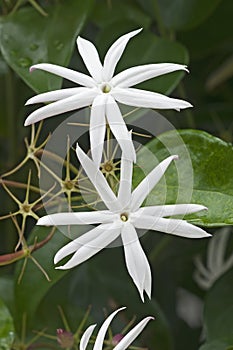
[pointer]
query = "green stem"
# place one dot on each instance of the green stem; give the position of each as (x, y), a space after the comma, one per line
(159, 20)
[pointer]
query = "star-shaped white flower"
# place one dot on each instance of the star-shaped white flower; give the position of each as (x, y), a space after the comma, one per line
(102, 90)
(123, 344)
(122, 217)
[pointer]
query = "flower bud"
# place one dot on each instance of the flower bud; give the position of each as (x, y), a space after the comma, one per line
(64, 338)
(117, 338)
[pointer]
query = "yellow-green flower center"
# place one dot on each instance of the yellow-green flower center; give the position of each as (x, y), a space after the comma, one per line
(26, 208)
(108, 167)
(124, 217)
(106, 88)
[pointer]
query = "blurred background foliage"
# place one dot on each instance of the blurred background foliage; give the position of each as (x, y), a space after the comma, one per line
(193, 32)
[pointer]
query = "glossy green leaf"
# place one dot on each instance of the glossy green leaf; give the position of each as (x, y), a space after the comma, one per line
(146, 48)
(218, 316)
(181, 14)
(203, 174)
(6, 328)
(27, 38)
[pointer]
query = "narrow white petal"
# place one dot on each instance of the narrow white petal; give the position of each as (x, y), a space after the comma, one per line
(222, 239)
(173, 226)
(97, 128)
(86, 337)
(201, 268)
(147, 99)
(79, 218)
(149, 182)
(136, 261)
(136, 75)
(82, 240)
(91, 58)
(68, 104)
(84, 252)
(103, 330)
(170, 210)
(66, 73)
(98, 180)
(124, 192)
(114, 54)
(119, 129)
(56, 95)
(132, 335)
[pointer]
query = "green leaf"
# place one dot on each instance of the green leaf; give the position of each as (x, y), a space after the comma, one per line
(27, 38)
(216, 345)
(105, 14)
(34, 286)
(6, 328)
(146, 48)
(202, 175)
(213, 42)
(182, 14)
(7, 291)
(218, 314)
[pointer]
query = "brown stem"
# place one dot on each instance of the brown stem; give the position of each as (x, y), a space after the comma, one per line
(10, 258)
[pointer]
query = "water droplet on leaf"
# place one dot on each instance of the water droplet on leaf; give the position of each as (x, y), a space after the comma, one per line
(25, 62)
(58, 45)
(33, 47)
(13, 53)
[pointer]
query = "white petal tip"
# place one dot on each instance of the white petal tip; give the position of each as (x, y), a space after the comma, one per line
(61, 268)
(175, 157)
(122, 308)
(186, 69)
(138, 30)
(32, 68)
(44, 221)
(79, 38)
(142, 296)
(187, 105)
(27, 122)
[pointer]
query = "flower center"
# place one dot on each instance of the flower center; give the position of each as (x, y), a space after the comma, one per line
(106, 88)
(69, 185)
(108, 167)
(124, 217)
(26, 208)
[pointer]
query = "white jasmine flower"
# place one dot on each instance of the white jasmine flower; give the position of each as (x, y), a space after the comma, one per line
(102, 90)
(123, 344)
(122, 217)
(217, 263)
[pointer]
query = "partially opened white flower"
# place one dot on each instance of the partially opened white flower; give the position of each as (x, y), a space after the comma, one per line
(123, 344)
(218, 261)
(102, 90)
(122, 217)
